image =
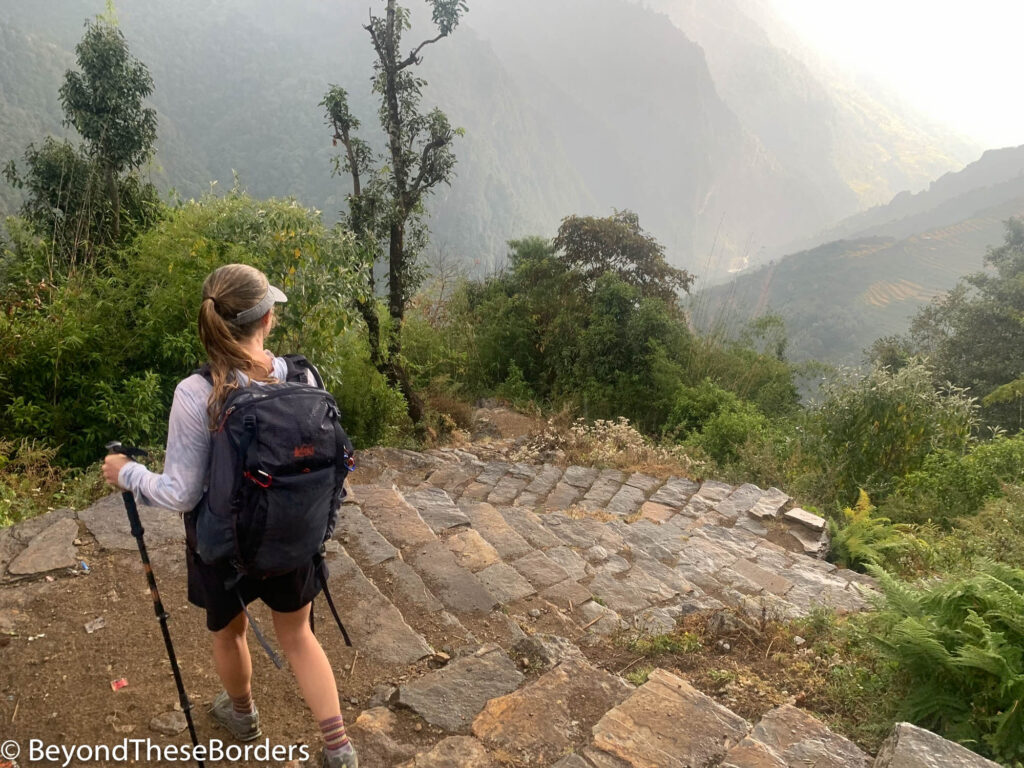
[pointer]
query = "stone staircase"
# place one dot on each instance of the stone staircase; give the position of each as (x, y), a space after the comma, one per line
(470, 585)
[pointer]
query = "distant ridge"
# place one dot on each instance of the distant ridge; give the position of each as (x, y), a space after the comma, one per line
(880, 266)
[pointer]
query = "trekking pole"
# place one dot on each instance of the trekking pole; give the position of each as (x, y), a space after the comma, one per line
(158, 606)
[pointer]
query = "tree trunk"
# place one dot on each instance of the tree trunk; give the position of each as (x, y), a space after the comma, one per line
(115, 201)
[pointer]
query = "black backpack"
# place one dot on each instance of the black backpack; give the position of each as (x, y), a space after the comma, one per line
(278, 463)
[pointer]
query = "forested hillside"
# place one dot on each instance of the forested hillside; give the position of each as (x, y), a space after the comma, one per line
(880, 266)
(552, 127)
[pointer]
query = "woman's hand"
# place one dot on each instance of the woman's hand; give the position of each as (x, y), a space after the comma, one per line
(112, 467)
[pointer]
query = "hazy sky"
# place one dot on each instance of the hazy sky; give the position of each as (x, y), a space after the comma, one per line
(959, 61)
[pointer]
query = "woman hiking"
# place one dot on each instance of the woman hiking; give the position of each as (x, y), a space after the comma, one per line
(235, 318)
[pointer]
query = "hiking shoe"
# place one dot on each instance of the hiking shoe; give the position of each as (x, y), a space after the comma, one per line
(244, 727)
(344, 758)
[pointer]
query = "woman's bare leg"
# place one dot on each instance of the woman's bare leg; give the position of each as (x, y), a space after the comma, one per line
(309, 662)
(231, 657)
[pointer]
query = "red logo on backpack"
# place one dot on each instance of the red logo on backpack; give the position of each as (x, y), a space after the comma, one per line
(304, 451)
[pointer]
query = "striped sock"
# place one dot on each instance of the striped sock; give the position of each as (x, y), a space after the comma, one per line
(242, 704)
(333, 730)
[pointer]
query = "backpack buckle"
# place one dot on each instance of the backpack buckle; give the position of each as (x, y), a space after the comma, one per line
(262, 483)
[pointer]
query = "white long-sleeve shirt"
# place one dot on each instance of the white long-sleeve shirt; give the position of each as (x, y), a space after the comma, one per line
(186, 465)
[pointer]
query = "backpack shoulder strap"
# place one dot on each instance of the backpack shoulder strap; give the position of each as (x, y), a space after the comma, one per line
(297, 367)
(204, 371)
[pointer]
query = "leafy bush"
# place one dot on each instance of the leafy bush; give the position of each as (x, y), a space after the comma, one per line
(951, 484)
(961, 642)
(92, 355)
(875, 429)
(995, 532)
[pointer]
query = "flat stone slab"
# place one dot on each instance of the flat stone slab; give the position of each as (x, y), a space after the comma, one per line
(580, 477)
(397, 520)
(505, 583)
(626, 501)
(361, 539)
(456, 752)
(770, 504)
(573, 564)
(667, 723)
(767, 581)
(752, 754)
(545, 480)
(645, 483)
(472, 551)
(739, 501)
(538, 569)
(376, 626)
(492, 472)
(809, 519)
(452, 584)
(437, 509)
(453, 696)
(108, 522)
(713, 491)
(599, 619)
(603, 489)
(529, 526)
(583, 533)
(911, 747)
(26, 530)
(489, 523)
(506, 490)
(656, 513)
(812, 543)
(620, 597)
(567, 594)
(406, 587)
(563, 496)
(454, 477)
(52, 549)
(676, 492)
(544, 719)
(800, 739)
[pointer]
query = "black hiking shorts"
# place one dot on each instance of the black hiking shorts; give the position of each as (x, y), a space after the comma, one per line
(284, 594)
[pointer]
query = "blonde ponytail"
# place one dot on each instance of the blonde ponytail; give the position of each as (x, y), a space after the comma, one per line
(228, 291)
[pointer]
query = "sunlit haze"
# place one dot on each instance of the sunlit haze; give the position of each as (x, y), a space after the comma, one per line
(957, 62)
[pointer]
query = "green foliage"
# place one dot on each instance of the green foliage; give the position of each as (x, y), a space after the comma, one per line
(594, 247)
(875, 429)
(714, 420)
(996, 532)
(950, 484)
(974, 335)
(862, 539)
(104, 101)
(961, 642)
(97, 356)
(674, 642)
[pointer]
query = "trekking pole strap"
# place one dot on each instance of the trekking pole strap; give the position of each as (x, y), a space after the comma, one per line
(259, 634)
(330, 602)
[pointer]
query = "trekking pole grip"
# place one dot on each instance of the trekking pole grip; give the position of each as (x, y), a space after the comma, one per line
(129, 498)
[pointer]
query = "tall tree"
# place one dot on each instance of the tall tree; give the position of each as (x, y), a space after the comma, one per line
(385, 207)
(104, 103)
(594, 246)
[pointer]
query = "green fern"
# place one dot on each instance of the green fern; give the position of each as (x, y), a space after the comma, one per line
(962, 644)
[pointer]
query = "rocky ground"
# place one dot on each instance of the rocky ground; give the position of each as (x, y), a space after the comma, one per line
(479, 593)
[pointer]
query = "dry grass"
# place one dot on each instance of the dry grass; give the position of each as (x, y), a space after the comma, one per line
(605, 443)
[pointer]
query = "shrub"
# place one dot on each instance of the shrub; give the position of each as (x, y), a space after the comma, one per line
(960, 641)
(873, 430)
(950, 484)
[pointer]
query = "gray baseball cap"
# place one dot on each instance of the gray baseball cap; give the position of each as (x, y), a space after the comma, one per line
(272, 297)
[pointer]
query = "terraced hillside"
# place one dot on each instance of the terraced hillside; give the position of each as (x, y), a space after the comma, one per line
(478, 592)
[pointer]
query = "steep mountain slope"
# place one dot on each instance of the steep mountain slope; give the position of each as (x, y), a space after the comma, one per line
(837, 298)
(849, 145)
(604, 105)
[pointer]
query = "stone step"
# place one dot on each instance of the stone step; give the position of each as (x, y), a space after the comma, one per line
(395, 519)
(376, 626)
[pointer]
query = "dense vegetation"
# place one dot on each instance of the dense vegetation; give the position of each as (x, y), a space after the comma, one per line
(98, 286)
